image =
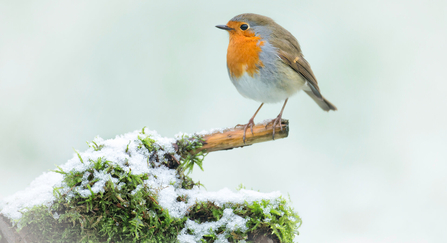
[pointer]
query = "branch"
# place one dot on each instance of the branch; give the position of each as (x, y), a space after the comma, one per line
(232, 138)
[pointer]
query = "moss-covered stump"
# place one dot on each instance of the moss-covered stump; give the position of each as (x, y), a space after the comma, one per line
(134, 189)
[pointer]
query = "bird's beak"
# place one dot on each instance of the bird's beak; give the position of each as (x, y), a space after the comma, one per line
(224, 27)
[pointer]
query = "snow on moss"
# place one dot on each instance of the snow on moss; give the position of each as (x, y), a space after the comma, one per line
(130, 153)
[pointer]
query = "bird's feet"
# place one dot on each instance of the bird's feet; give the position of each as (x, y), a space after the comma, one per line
(250, 124)
(275, 122)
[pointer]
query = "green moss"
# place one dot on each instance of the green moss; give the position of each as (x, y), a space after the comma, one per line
(128, 211)
(265, 218)
(148, 142)
(186, 147)
(205, 212)
(279, 219)
(127, 214)
(95, 146)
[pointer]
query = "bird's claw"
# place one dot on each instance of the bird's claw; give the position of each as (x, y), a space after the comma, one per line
(275, 122)
(250, 124)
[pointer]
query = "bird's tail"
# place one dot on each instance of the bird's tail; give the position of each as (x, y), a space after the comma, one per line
(322, 102)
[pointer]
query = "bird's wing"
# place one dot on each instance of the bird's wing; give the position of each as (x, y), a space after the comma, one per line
(301, 66)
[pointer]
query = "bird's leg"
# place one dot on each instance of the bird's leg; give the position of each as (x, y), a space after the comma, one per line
(250, 123)
(277, 120)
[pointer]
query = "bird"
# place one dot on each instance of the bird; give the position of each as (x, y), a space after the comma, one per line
(265, 63)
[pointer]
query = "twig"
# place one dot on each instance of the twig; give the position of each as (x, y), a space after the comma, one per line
(232, 138)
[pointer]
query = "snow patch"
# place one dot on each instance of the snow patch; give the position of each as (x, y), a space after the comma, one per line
(127, 152)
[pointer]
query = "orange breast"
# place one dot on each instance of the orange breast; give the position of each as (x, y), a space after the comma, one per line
(243, 54)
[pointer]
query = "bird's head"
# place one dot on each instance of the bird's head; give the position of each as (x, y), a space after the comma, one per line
(249, 25)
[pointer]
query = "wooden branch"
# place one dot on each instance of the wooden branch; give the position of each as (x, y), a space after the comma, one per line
(232, 138)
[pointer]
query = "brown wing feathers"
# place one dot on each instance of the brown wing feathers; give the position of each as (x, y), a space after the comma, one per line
(301, 66)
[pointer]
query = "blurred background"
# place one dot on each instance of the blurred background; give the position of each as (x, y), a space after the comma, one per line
(374, 171)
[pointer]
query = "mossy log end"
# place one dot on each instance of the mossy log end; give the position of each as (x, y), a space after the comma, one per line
(215, 141)
(232, 138)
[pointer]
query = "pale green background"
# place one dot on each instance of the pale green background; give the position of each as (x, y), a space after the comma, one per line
(374, 171)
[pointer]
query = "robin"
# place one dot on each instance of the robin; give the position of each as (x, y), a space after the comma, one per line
(266, 64)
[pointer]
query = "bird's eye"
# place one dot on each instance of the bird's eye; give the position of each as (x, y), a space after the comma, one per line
(244, 27)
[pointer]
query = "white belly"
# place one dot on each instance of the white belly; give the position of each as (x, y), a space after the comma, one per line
(272, 88)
